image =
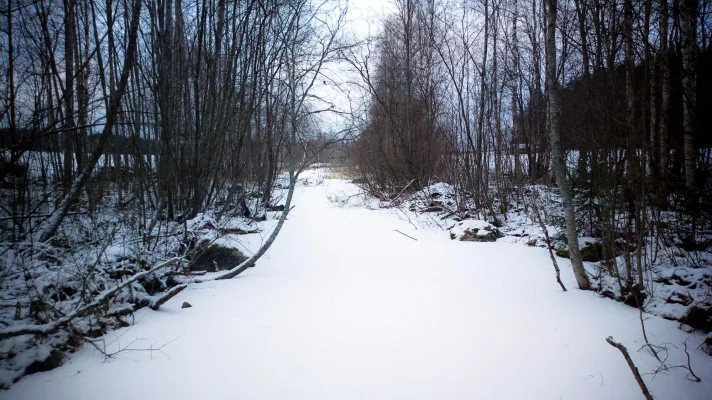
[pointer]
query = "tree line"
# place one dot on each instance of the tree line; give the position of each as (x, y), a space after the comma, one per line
(606, 99)
(134, 134)
(175, 105)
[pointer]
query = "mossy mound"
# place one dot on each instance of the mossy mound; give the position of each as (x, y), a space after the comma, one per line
(563, 253)
(152, 285)
(699, 317)
(216, 258)
(634, 297)
(52, 361)
(592, 252)
(487, 234)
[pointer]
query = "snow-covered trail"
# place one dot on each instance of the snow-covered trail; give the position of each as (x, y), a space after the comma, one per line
(343, 307)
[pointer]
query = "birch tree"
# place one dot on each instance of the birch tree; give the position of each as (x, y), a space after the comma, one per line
(557, 153)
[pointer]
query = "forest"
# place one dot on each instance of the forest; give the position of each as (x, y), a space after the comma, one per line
(605, 100)
(142, 141)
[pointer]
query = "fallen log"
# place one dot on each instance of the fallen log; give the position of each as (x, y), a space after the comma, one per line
(167, 296)
(101, 299)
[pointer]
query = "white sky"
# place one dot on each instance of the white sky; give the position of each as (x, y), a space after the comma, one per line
(365, 16)
(363, 19)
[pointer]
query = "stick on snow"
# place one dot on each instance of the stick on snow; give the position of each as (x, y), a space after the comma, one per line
(632, 366)
(405, 235)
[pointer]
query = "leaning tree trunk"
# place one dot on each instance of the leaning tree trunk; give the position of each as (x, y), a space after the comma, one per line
(557, 155)
(293, 173)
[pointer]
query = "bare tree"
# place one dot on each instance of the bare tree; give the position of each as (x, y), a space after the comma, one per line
(49, 227)
(557, 154)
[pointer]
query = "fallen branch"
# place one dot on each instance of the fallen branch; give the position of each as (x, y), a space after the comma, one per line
(405, 235)
(632, 366)
(167, 296)
(400, 193)
(645, 334)
(100, 300)
(695, 378)
(540, 220)
(121, 311)
(690, 373)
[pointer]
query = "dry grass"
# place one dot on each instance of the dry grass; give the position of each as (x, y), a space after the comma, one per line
(341, 173)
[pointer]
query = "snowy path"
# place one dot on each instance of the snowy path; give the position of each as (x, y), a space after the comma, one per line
(343, 307)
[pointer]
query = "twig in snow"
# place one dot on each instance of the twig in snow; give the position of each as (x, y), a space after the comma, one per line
(400, 193)
(691, 374)
(128, 348)
(632, 366)
(405, 235)
(645, 334)
(689, 366)
(540, 220)
(407, 217)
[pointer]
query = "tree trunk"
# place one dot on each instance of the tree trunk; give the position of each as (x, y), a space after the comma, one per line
(689, 47)
(557, 154)
(11, 69)
(516, 115)
(83, 63)
(664, 106)
(68, 126)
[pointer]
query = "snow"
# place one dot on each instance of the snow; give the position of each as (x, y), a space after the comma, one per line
(438, 189)
(342, 306)
(319, 165)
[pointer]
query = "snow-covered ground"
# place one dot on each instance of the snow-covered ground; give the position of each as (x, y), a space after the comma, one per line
(678, 282)
(352, 302)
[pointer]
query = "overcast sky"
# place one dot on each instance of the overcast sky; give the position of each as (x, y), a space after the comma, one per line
(363, 19)
(365, 15)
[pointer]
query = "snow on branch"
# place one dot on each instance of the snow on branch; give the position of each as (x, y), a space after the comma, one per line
(101, 299)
